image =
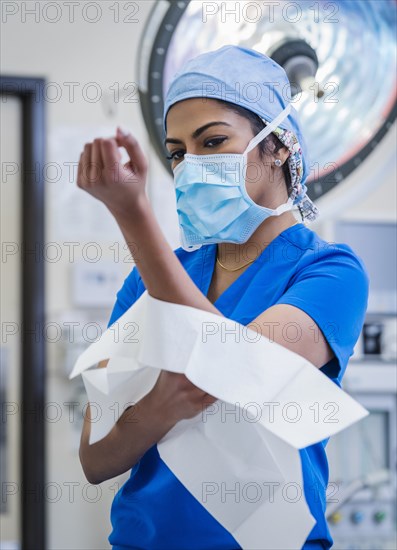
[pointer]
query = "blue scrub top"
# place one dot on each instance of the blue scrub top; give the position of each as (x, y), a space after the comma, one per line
(153, 510)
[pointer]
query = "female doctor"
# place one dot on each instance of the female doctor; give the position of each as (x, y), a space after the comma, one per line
(240, 166)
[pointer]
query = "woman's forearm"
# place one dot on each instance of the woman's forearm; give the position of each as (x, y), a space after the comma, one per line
(162, 273)
(137, 429)
(144, 424)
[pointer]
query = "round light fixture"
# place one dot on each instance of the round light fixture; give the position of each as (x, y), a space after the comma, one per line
(340, 58)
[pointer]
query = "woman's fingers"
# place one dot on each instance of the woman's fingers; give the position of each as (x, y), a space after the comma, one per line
(131, 145)
(80, 171)
(100, 170)
(83, 176)
(111, 156)
(96, 166)
(103, 157)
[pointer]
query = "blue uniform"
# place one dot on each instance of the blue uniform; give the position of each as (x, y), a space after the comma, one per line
(153, 510)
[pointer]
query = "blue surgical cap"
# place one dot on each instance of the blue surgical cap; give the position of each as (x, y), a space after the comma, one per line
(242, 76)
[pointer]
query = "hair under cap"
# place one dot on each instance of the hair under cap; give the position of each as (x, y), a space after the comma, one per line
(255, 81)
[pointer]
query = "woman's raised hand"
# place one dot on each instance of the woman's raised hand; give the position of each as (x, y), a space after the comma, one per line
(119, 186)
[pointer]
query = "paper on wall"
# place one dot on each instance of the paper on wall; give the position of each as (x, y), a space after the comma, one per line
(240, 457)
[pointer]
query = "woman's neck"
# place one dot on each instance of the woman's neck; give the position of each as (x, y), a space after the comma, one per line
(233, 255)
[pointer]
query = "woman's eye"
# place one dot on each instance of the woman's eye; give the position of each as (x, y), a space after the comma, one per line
(213, 141)
(174, 156)
(216, 141)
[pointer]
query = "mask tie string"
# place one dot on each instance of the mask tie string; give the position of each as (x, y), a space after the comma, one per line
(268, 129)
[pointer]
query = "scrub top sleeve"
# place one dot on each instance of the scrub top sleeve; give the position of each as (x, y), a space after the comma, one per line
(131, 290)
(333, 291)
(126, 296)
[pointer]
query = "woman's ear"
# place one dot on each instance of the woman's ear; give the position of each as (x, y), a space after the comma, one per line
(282, 154)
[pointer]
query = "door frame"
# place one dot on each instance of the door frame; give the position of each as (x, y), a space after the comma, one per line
(30, 92)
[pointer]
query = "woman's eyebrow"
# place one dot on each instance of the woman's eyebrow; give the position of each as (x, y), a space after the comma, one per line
(197, 132)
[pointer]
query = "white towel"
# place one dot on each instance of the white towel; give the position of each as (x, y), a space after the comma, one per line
(239, 458)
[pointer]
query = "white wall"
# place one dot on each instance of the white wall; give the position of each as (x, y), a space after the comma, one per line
(74, 50)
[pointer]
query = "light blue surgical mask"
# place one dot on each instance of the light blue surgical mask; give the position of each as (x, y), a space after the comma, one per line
(212, 202)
